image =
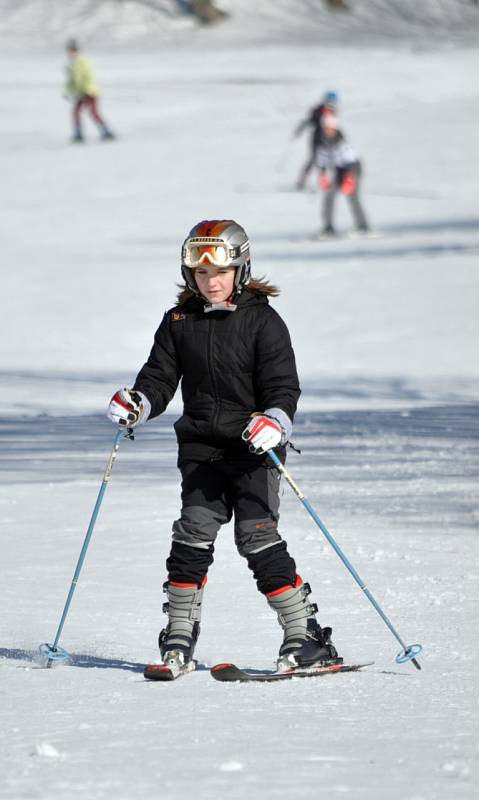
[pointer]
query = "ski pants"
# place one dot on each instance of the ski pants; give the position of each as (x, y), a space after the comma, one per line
(91, 104)
(212, 492)
(357, 211)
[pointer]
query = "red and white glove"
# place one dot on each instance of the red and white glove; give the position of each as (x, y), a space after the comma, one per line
(262, 434)
(349, 183)
(325, 182)
(126, 408)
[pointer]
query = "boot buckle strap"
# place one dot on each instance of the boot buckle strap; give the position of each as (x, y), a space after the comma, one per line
(193, 614)
(303, 613)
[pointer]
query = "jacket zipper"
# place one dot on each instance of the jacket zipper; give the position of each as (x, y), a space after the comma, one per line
(212, 375)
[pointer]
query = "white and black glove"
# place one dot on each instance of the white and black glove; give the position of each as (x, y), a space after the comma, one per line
(127, 408)
(262, 433)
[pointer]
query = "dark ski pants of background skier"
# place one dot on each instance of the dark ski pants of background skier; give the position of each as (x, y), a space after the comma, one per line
(212, 492)
(91, 104)
(357, 211)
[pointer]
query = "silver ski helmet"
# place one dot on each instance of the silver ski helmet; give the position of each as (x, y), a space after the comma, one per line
(219, 243)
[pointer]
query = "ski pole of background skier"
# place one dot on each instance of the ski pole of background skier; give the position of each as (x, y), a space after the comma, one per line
(408, 652)
(52, 651)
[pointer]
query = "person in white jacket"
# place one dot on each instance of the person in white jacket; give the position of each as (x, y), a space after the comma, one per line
(339, 171)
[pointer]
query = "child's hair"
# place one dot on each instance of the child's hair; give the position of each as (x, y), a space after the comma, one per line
(255, 286)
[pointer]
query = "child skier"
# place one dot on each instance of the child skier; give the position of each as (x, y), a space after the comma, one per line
(233, 355)
(82, 88)
(339, 170)
(314, 120)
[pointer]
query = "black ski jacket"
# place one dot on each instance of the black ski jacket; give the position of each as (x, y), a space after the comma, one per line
(315, 121)
(230, 363)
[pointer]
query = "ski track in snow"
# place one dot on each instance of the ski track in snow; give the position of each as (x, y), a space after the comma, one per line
(385, 333)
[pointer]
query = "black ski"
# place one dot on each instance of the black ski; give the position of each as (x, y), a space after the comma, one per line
(230, 672)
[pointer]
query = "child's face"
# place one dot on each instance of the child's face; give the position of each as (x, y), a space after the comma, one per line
(215, 283)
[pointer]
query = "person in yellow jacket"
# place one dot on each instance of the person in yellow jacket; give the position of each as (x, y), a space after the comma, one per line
(82, 88)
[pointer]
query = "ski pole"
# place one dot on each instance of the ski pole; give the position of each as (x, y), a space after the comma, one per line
(52, 651)
(408, 652)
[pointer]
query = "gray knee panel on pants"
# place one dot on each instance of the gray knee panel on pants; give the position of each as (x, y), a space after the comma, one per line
(198, 526)
(254, 535)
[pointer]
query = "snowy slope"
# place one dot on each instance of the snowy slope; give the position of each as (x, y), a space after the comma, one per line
(41, 23)
(385, 333)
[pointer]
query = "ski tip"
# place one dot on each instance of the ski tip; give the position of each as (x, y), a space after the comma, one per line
(154, 668)
(219, 667)
(169, 671)
(157, 672)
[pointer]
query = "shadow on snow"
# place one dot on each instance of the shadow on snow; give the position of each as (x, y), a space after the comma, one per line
(81, 660)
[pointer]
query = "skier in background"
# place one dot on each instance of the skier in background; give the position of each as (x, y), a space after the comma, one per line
(337, 5)
(82, 88)
(232, 352)
(339, 171)
(205, 11)
(314, 120)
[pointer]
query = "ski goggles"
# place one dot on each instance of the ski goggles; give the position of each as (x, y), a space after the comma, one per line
(206, 251)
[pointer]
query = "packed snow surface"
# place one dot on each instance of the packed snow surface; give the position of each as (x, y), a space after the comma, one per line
(37, 23)
(385, 331)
